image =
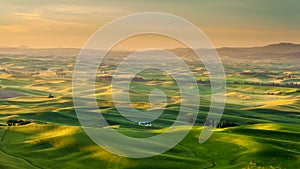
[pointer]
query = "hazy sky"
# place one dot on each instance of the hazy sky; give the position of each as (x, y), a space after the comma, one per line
(69, 23)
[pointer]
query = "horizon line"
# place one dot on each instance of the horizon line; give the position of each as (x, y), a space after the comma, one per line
(248, 46)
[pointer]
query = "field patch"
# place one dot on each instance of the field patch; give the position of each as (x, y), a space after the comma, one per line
(277, 103)
(5, 94)
(238, 95)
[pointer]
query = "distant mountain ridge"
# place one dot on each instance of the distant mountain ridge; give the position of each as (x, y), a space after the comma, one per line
(281, 52)
(273, 51)
(280, 48)
(23, 50)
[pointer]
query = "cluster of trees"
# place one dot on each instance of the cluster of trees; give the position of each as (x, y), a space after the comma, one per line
(33, 73)
(50, 96)
(108, 78)
(250, 73)
(17, 122)
(221, 124)
(207, 82)
(287, 85)
(104, 78)
(286, 77)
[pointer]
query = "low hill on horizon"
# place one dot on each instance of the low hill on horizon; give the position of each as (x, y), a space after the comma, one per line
(278, 52)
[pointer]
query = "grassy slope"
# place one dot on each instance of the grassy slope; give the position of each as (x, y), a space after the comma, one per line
(69, 147)
(62, 144)
(9, 161)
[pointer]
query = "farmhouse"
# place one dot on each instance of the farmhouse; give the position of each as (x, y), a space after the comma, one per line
(144, 123)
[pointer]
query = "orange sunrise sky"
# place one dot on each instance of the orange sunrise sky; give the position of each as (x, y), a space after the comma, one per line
(69, 24)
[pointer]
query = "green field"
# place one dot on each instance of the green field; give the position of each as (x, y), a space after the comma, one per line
(267, 134)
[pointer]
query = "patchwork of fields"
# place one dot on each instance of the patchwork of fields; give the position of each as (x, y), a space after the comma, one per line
(266, 132)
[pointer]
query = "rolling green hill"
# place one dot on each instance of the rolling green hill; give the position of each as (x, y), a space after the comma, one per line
(266, 134)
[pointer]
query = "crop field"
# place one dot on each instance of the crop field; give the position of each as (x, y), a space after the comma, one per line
(265, 117)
